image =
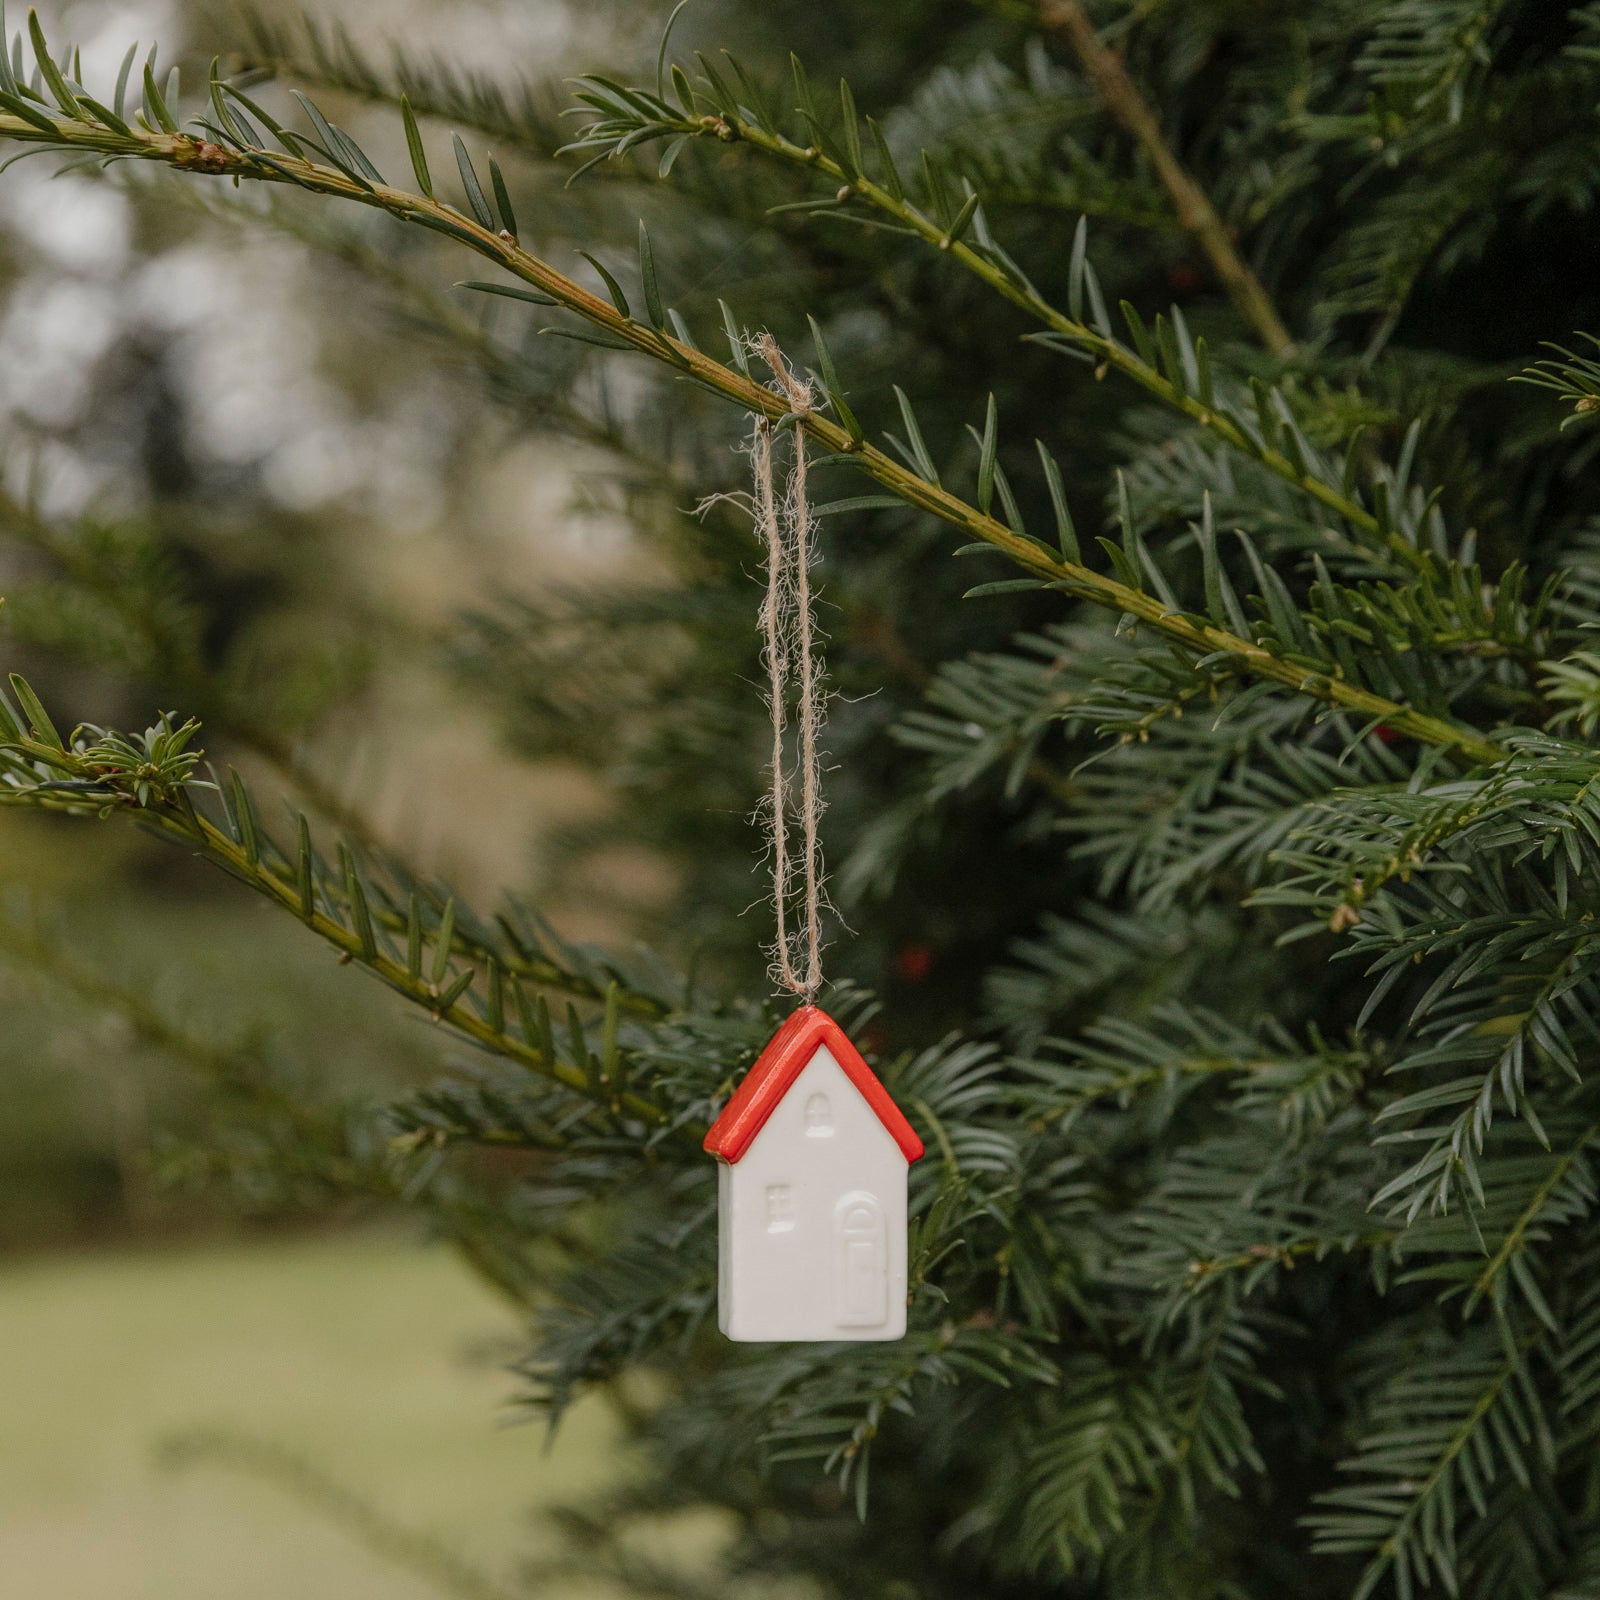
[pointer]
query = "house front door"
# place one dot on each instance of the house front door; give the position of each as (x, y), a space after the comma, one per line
(860, 1262)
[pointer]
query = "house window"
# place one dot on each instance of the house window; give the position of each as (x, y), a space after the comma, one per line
(780, 1208)
(819, 1117)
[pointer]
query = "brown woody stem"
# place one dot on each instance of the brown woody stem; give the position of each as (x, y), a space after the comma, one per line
(1190, 632)
(1195, 210)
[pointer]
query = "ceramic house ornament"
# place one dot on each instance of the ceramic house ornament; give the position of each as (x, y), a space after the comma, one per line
(811, 1200)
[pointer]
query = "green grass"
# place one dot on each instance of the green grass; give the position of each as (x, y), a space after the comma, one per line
(373, 1358)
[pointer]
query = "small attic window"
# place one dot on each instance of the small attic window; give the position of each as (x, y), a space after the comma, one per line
(819, 1117)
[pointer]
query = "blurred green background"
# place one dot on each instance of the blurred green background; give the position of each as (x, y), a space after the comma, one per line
(362, 1357)
(166, 368)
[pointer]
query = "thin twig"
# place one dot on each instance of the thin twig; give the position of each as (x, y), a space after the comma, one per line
(1098, 341)
(1195, 210)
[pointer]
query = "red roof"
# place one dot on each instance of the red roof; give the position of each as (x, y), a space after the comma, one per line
(774, 1073)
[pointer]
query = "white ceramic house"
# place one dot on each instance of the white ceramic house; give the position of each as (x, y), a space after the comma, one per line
(812, 1193)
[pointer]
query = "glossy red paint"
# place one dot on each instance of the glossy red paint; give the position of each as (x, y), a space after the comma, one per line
(774, 1073)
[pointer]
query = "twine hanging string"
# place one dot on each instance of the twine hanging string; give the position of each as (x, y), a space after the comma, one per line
(790, 649)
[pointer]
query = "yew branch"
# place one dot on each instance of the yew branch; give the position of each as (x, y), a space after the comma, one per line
(186, 153)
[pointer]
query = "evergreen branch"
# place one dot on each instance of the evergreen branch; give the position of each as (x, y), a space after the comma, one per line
(1224, 1213)
(1195, 210)
(1075, 963)
(132, 578)
(825, 1421)
(1206, 1269)
(1444, 1429)
(168, 633)
(1212, 1435)
(1529, 1222)
(108, 563)
(525, 115)
(1455, 1147)
(621, 126)
(1122, 1443)
(1116, 1060)
(1099, 1452)
(1574, 377)
(338, 1170)
(28, 944)
(1223, 796)
(991, 710)
(652, 1289)
(150, 778)
(1348, 864)
(1509, 990)
(1577, 1362)
(1422, 52)
(241, 159)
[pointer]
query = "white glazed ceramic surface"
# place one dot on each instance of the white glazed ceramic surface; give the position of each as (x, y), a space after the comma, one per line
(812, 1220)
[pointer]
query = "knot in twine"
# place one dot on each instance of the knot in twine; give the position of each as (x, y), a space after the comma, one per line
(790, 651)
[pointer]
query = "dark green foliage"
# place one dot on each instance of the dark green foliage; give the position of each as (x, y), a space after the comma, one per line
(1230, 934)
